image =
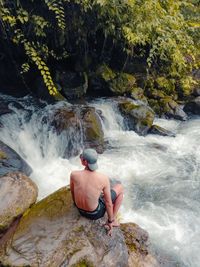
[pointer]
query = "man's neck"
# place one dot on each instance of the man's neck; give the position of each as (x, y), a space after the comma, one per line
(87, 168)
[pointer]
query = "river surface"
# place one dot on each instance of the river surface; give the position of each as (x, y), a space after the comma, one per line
(161, 175)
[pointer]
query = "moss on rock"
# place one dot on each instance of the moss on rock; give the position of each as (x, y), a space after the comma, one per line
(3, 155)
(138, 117)
(93, 132)
(106, 73)
(122, 83)
(186, 86)
(137, 93)
(53, 233)
(165, 84)
(127, 106)
(83, 263)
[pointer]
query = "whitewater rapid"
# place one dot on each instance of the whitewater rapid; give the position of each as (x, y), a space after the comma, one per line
(161, 175)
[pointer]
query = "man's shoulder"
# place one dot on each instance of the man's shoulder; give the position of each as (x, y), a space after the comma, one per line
(102, 176)
(74, 173)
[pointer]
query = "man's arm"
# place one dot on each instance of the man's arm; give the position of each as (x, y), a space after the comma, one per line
(108, 201)
(72, 186)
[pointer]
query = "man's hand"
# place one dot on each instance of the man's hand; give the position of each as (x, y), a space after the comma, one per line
(108, 227)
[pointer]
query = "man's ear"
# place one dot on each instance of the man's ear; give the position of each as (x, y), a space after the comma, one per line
(84, 162)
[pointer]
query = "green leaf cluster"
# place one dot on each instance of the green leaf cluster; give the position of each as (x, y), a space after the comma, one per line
(163, 33)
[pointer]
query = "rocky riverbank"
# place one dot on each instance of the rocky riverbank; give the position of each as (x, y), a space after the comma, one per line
(52, 233)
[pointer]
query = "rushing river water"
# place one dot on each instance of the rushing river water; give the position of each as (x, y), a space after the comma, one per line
(161, 175)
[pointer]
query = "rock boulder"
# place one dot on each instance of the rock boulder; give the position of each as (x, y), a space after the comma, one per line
(17, 194)
(138, 117)
(53, 233)
(193, 106)
(10, 161)
(136, 241)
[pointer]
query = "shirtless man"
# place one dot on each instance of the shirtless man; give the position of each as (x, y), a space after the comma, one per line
(91, 191)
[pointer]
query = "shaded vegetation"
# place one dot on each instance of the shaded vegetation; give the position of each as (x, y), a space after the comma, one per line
(41, 37)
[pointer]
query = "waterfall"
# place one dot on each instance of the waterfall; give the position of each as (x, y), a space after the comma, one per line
(161, 175)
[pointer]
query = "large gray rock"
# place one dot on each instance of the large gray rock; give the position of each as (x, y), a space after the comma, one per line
(138, 117)
(10, 161)
(176, 111)
(193, 106)
(17, 194)
(53, 233)
(137, 243)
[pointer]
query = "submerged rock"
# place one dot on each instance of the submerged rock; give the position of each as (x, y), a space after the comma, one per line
(17, 194)
(156, 129)
(10, 161)
(54, 234)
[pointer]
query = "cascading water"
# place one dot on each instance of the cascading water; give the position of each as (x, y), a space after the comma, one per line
(161, 175)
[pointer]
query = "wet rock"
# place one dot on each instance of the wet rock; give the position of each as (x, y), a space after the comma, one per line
(111, 83)
(171, 109)
(93, 132)
(54, 234)
(137, 93)
(138, 117)
(4, 108)
(74, 84)
(158, 147)
(156, 129)
(17, 194)
(80, 126)
(193, 106)
(137, 242)
(10, 161)
(196, 91)
(165, 105)
(122, 83)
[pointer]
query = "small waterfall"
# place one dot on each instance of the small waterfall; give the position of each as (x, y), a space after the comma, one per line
(28, 130)
(161, 175)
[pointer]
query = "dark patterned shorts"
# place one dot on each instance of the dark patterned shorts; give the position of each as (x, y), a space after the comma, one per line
(100, 210)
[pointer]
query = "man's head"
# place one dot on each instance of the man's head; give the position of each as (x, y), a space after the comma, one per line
(90, 156)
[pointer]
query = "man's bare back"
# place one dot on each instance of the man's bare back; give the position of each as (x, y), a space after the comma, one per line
(88, 187)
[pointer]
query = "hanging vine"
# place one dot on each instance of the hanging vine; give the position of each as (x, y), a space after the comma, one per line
(29, 48)
(57, 7)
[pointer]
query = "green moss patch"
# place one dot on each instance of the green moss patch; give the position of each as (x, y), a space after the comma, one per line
(83, 263)
(3, 155)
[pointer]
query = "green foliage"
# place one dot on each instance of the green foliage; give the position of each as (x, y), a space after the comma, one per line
(122, 83)
(164, 33)
(39, 24)
(105, 73)
(186, 85)
(57, 7)
(167, 85)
